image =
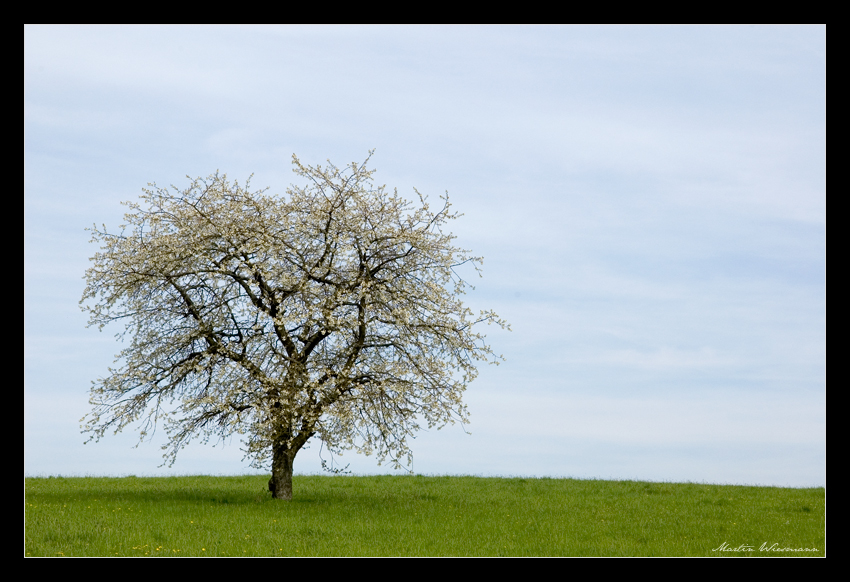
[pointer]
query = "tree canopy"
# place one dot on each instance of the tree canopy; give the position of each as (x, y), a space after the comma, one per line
(333, 312)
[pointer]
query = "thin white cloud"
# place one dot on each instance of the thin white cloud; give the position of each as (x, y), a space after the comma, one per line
(650, 203)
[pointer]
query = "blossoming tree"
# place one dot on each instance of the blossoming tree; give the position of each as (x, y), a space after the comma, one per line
(332, 312)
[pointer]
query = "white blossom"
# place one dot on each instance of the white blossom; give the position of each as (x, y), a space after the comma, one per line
(331, 312)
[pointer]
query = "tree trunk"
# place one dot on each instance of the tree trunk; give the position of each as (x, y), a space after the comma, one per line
(281, 482)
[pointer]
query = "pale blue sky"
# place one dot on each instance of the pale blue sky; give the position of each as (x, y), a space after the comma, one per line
(650, 203)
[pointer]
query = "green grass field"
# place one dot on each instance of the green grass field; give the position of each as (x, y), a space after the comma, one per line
(417, 516)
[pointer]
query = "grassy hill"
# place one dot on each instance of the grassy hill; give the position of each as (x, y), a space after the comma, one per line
(417, 516)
